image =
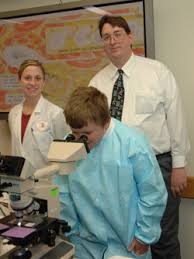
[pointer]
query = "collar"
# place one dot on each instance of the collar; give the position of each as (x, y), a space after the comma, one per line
(39, 104)
(110, 128)
(127, 68)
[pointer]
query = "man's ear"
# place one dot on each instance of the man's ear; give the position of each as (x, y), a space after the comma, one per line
(131, 38)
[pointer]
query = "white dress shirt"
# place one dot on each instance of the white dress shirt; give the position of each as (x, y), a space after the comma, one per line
(152, 103)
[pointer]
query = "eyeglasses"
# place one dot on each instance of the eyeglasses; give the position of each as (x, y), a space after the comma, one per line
(116, 36)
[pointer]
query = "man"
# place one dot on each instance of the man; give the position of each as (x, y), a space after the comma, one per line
(114, 199)
(152, 103)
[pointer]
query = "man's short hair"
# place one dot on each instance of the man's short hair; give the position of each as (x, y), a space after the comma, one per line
(113, 21)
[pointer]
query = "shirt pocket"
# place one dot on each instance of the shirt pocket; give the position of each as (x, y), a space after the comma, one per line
(145, 104)
(42, 140)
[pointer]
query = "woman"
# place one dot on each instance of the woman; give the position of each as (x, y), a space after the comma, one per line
(35, 122)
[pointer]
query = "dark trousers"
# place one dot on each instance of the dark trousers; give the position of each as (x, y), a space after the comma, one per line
(168, 246)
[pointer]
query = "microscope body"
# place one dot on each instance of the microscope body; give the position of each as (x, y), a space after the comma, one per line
(34, 199)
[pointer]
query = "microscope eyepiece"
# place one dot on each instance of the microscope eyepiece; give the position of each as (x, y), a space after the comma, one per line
(83, 138)
(70, 138)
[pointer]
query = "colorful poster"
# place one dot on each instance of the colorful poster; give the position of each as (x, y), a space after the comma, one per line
(67, 43)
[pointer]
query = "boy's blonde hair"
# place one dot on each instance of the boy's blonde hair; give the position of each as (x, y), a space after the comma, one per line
(86, 104)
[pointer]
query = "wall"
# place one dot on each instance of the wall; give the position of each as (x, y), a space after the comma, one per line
(174, 41)
(12, 5)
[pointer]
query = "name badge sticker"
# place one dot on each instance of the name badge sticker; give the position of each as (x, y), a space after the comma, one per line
(42, 125)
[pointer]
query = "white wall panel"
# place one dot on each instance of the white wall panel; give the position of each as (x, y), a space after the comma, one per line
(174, 41)
(13, 5)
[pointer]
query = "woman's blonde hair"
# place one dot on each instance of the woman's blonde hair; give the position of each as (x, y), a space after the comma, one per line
(30, 62)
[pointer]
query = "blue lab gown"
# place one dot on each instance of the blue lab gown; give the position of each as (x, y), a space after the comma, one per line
(115, 194)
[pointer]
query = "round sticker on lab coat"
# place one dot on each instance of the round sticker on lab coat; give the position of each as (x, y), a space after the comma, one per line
(42, 125)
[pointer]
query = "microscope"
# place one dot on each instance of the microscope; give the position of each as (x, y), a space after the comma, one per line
(35, 218)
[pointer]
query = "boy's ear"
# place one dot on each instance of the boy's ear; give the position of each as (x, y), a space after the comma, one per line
(107, 123)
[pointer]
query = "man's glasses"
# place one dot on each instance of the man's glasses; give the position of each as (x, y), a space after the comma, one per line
(116, 36)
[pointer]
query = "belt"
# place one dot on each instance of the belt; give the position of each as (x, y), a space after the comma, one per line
(167, 154)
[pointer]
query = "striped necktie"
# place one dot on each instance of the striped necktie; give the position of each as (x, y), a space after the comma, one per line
(118, 94)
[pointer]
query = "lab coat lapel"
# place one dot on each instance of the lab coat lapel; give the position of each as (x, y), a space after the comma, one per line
(33, 119)
(17, 124)
(17, 146)
(29, 137)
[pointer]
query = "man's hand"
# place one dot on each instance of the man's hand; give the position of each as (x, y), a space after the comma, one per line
(138, 247)
(178, 181)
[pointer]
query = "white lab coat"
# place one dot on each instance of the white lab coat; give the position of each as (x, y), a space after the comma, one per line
(46, 123)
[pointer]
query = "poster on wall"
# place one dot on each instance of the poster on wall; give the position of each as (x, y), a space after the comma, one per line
(66, 42)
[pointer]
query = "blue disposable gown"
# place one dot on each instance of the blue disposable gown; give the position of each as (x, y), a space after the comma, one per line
(116, 194)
